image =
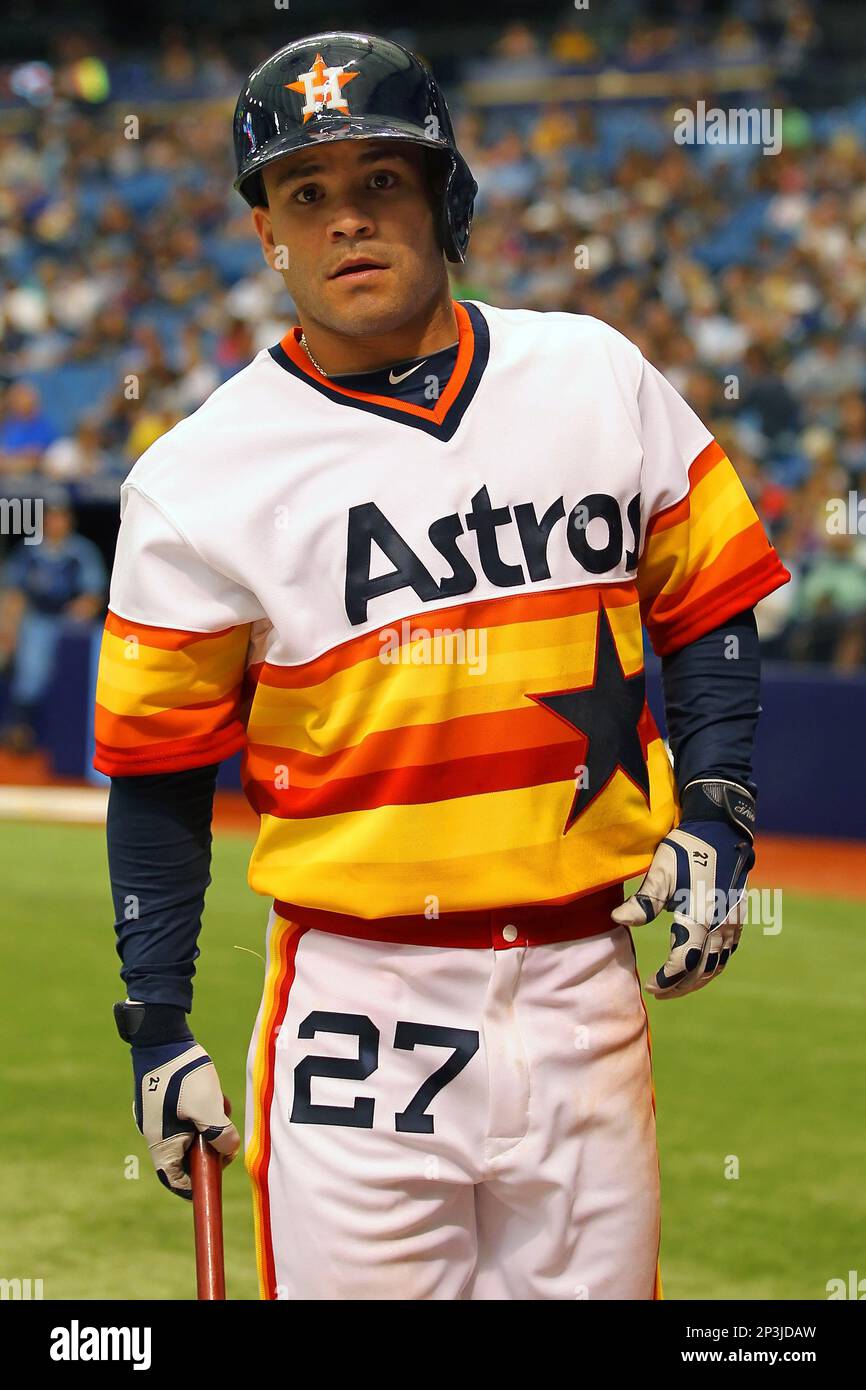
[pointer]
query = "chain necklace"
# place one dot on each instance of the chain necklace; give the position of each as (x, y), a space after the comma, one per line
(305, 346)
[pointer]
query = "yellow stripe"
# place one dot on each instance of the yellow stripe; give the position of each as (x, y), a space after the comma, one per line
(142, 680)
(520, 657)
(628, 635)
(277, 932)
(511, 841)
(720, 511)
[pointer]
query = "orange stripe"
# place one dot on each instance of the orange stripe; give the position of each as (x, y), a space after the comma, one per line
(679, 511)
(291, 345)
(262, 1100)
(165, 726)
(168, 638)
(739, 554)
(406, 782)
(498, 732)
(712, 608)
(483, 613)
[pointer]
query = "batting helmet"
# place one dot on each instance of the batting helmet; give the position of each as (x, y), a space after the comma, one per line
(339, 86)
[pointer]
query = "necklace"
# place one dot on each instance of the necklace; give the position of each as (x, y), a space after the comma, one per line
(310, 355)
(305, 346)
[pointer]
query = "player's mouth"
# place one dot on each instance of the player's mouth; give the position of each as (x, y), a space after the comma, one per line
(358, 269)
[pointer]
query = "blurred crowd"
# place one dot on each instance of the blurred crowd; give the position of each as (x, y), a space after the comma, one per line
(132, 287)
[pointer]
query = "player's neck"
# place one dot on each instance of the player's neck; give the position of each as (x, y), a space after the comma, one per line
(427, 332)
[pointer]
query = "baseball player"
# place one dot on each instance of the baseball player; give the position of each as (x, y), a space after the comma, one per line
(404, 560)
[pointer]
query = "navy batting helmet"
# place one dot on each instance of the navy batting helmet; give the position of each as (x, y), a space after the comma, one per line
(339, 86)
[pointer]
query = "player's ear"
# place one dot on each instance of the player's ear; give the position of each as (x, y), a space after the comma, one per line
(261, 220)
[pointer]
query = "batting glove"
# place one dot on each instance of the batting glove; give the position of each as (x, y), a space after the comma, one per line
(699, 873)
(177, 1091)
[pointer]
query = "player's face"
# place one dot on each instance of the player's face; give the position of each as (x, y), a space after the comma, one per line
(353, 200)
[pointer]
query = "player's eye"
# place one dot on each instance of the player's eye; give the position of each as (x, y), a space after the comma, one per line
(384, 174)
(298, 195)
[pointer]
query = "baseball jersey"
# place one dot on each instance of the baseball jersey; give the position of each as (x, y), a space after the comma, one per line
(423, 624)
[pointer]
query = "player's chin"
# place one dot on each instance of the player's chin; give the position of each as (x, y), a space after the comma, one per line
(372, 307)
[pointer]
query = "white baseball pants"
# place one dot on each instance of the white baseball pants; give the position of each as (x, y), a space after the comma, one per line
(429, 1122)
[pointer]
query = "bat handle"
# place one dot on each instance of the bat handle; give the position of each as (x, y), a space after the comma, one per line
(206, 1172)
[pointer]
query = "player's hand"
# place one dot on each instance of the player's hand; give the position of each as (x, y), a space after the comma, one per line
(699, 872)
(178, 1095)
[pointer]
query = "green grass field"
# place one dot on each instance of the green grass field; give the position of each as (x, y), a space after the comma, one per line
(765, 1065)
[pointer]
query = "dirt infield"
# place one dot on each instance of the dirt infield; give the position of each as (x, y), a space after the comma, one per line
(836, 868)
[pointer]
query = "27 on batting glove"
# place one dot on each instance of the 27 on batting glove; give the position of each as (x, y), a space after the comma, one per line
(177, 1091)
(699, 873)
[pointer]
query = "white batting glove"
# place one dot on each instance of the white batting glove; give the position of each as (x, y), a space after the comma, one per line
(177, 1092)
(699, 872)
(175, 1099)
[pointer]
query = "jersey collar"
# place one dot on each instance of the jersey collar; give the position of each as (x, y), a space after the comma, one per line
(443, 416)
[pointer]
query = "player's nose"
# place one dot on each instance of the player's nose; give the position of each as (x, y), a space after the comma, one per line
(350, 222)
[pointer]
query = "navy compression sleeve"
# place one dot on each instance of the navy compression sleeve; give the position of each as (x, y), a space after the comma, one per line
(159, 853)
(712, 690)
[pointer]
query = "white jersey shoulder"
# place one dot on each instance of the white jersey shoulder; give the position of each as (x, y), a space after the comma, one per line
(195, 450)
(546, 334)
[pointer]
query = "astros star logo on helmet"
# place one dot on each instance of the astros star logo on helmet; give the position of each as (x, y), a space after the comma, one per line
(322, 87)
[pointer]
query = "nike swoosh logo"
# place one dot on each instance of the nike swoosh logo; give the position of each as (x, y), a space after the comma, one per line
(395, 380)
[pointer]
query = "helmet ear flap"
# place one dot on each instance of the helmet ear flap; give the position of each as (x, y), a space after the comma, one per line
(458, 206)
(452, 189)
(436, 164)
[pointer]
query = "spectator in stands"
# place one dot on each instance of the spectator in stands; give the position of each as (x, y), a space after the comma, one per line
(198, 373)
(26, 430)
(852, 436)
(153, 419)
(830, 611)
(235, 347)
(506, 172)
(765, 395)
(47, 586)
(78, 455)
(827, 367)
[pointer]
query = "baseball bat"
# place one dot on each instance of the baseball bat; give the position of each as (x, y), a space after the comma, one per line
(206, 1175)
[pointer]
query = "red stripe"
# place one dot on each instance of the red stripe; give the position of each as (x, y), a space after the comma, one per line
(560, 919)
(452, 780)
(179, 756)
